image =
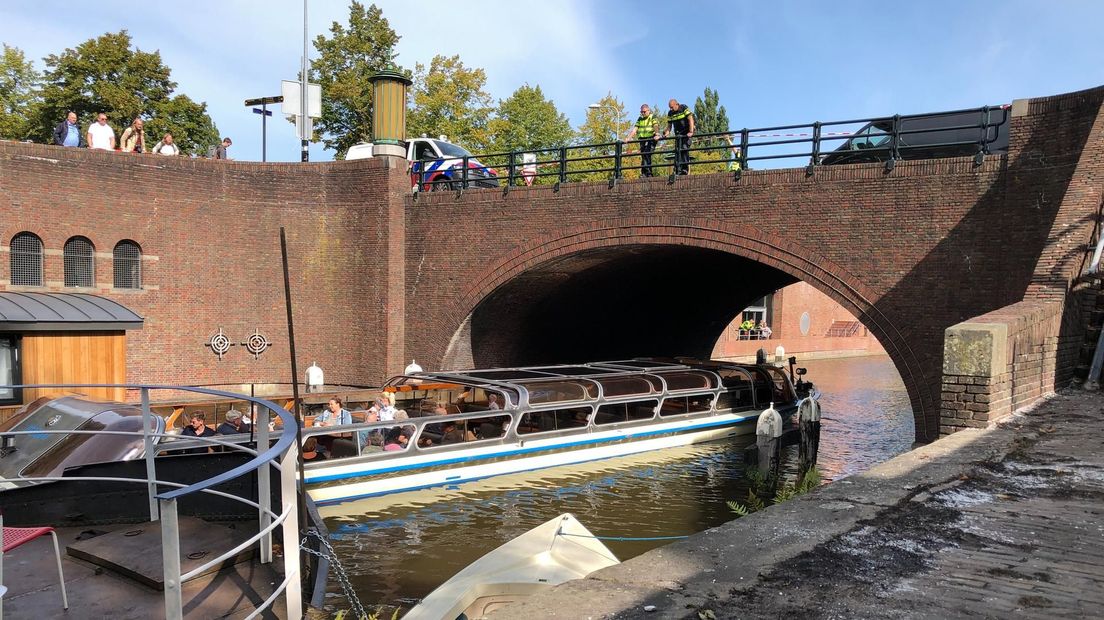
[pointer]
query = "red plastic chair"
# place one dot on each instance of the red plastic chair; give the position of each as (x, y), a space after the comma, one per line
(16, 536)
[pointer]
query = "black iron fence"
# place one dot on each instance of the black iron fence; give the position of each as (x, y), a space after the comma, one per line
(976, 131)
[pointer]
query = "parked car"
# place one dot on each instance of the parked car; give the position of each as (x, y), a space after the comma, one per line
(436, 164)
(926, 136)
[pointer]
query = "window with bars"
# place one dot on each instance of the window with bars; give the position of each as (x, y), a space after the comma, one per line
(26, 260)
(127, 259)
(79, 257)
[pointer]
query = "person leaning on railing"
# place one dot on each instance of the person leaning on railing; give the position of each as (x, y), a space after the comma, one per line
(680, 120)
(645, 130)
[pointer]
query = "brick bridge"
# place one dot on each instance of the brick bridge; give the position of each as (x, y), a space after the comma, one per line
(991, 251)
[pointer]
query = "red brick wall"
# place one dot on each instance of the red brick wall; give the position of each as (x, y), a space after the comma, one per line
(209, 233)
(789, 304)
(1060, 142)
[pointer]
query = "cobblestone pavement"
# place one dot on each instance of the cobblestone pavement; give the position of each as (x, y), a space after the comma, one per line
(1021, 535)
(1005, 522)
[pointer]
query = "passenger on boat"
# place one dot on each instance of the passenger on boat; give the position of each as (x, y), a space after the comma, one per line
(233, 425)
(334, 415)
(370, 440)
(197, 427)
(384, 407)
(492, 401)
(396, 440)
(311, 451)
(453, 433)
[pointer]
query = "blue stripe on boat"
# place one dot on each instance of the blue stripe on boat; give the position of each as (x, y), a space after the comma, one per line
(492, 455)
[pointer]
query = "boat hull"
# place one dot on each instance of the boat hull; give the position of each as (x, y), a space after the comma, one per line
(340, 482)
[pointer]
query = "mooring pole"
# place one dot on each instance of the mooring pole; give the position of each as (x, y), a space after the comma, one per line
(808, 413)
(294, 389)
(768, 441)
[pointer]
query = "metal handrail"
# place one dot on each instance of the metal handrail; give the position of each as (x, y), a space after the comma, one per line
(282, 456)
(558, 161)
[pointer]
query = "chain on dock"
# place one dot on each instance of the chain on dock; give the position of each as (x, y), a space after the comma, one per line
(338, 570)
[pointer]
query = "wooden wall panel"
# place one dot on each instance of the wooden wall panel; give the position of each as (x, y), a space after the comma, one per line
(74, 357)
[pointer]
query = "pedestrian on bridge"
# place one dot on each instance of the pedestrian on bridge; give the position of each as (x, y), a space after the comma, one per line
(645, 130)
(680, 120)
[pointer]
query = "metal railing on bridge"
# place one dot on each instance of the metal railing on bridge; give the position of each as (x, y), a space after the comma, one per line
(974, 131)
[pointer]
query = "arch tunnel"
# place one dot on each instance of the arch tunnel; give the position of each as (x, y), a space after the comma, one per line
(617, 302)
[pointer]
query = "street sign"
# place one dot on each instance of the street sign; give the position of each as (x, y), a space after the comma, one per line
(265, 112)
(263, 101)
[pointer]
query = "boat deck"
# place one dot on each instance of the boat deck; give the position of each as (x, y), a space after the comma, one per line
(30, 574)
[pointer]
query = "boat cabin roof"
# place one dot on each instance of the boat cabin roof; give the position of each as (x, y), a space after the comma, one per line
(556, 384)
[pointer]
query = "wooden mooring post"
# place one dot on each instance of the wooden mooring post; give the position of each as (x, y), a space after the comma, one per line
(768, 442)
(808, 415)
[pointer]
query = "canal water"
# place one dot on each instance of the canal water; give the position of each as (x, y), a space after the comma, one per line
(396, 554)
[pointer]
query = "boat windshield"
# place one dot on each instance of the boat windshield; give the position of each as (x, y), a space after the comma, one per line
(625, 385)
(561, 390)
(688, 380)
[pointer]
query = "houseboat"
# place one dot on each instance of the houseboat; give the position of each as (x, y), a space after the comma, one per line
(447, 428)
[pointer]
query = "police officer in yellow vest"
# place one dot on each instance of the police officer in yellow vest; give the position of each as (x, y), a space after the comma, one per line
(680, 120)
(645, 130)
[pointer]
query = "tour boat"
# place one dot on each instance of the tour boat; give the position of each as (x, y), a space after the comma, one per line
(559, 550)
(468, 425)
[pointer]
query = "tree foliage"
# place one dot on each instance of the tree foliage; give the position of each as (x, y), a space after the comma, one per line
(526, 120)
(347, 59)
(606, 122)
(448, 99)
(710, 117)
(19, 84)
(107, 75)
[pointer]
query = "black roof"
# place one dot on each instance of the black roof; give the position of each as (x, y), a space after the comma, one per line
(47, 312)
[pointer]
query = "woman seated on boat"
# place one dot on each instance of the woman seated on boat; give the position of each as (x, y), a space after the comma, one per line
(334, 415)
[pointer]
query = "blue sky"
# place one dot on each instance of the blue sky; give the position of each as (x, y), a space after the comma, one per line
(772, 63)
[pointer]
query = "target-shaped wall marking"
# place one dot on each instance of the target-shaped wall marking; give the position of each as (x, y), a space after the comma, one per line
(220, 344)
(257, 343)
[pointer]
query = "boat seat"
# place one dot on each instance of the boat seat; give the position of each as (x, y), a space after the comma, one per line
(16, 536)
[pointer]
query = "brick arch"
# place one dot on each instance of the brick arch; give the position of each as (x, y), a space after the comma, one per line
(738, 239)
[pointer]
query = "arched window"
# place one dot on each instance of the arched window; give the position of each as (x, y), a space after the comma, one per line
(79, 258)
(26, 260)
(128, 264)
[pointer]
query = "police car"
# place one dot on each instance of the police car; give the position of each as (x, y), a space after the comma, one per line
(437, 164)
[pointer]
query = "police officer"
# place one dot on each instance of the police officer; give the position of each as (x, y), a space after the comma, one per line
(645, 130)
(680, 120)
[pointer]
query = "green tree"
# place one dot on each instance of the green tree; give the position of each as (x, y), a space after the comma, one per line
(448, 99)
(347, 59)
(191, 127)
(606, 123)
(19, 93)
(710, 117)
(527, 121)
(106, 75)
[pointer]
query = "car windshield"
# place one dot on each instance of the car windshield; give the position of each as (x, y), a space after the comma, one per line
(451, 150)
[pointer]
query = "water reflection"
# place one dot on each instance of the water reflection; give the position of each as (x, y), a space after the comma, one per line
(397, 554)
